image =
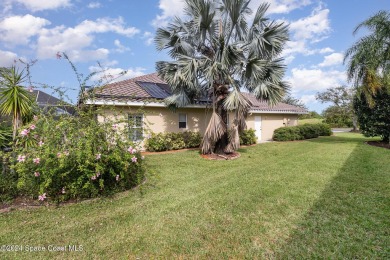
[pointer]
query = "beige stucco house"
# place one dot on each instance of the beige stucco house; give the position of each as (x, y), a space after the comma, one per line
(139, 104)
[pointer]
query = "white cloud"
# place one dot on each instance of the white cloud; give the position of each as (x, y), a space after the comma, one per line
(326, 50)
(148, 36)
(7, 58)
(289, 59)
(315, 79)
(332, 59)
(311, 29)
(309, 99)
(39, 5)
(120, 48)
(106, 74)
(94, 5)
(169, 8)
(17, 30)
(74, 41)
(280, 6)
(315, 26)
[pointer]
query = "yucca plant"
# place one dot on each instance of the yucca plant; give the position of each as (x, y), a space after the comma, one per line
(218, 50)
(15, 100)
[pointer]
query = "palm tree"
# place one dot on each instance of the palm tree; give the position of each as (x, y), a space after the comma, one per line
(14, 98)
(369, 58)
(219, 49)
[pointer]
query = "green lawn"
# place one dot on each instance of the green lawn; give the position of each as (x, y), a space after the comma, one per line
(322, 198)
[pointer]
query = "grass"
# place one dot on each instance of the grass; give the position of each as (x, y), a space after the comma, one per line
(322, 198)
(310, 121)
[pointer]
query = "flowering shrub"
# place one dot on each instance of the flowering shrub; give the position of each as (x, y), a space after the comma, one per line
(75, 157)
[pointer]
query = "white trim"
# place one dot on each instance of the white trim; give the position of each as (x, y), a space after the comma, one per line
(135, 104)
(157, 104)
(276, 112)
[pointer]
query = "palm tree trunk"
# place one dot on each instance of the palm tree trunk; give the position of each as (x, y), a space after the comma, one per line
(222, 143)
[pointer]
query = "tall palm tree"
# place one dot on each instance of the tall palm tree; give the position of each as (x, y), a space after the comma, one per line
(219, 49)
(14, 98)
(368, 60)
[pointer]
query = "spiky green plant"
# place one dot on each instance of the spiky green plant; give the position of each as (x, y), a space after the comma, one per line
(15, 100)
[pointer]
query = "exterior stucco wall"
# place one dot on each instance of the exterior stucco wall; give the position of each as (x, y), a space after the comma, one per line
(161, 119)
(269, 122)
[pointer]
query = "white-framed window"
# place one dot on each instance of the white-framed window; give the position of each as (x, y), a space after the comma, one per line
(182, 120)
(136, 127)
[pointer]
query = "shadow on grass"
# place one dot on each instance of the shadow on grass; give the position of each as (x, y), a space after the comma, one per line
(351, 217)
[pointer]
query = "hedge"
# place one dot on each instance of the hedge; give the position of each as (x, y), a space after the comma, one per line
(301, 132)
(173, 141)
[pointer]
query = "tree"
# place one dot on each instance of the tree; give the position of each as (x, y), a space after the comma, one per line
(294, 101)
(341, 113)
(15, 100)
(368, 59)
(216, 54)
(374, 121)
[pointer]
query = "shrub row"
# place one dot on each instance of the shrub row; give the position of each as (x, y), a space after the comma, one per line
(301, 132)
(71, 158)
(173, 141)
(248, 137)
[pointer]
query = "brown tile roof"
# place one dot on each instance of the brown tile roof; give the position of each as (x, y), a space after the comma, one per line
(261, 105)
(129, 87)
(129, 90)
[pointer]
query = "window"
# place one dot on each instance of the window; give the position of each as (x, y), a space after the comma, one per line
(182, 120)
(135, 127)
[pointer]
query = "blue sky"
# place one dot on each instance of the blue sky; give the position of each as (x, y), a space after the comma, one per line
(119, 35)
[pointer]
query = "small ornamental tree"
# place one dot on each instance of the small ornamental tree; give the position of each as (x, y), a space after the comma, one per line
(374, 121)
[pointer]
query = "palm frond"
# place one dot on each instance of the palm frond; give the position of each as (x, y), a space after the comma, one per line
(214, 131)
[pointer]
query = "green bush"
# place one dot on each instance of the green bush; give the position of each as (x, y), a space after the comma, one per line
(248, 137)
(301, 132)
(173, 141)
(75, 157)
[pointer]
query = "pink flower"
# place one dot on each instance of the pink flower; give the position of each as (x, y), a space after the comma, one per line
(93, 178)
(30, 89)
(130, 149)
(36, 160)
(97, 174)
(24, 132)
(37, 174)
(114, 126)
(63, 190)
(42, 197)
(134, 151)
(41, 143)
(59, 155)
(98, 156)
(21, 158)
(66, 153)
(134, 159)
(117, 178)
(58, 55)
(32, 127)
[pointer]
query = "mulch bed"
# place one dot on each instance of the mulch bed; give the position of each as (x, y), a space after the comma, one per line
(379, 144)
(215, 156)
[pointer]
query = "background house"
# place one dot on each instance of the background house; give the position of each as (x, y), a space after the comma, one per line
(139, 103)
